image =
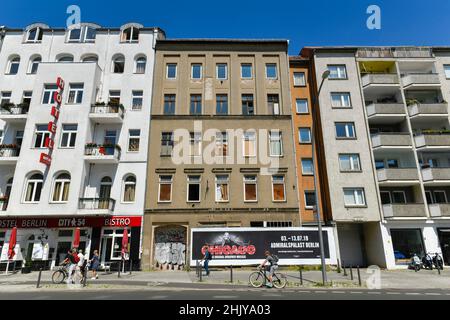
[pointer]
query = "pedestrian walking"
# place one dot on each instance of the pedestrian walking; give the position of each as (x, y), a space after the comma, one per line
(207, 256)
(81, 265)
(94, 264)
(71, 260)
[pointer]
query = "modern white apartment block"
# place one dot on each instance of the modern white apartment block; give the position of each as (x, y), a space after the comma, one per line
(385, 121)
(96, 178)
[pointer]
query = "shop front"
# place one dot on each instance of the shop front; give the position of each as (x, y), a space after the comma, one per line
(44, 242)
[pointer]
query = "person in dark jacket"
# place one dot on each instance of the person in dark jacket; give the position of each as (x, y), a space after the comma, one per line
(207, 256)
(94, 264)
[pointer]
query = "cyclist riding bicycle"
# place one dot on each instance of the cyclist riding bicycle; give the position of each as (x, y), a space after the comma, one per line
(272, 260)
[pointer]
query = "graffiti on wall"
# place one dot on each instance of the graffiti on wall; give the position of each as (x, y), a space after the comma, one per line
(170, 247)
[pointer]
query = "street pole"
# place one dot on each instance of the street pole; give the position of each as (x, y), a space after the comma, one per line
(316, 193)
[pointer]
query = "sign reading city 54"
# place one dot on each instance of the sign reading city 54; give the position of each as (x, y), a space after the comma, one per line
(246, 246)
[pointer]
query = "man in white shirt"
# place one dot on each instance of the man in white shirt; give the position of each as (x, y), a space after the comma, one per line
(80, 264)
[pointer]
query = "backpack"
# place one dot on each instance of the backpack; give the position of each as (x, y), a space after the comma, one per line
(76, 258)
(275, 258)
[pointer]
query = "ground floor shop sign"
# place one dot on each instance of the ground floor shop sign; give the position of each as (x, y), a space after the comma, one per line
(70, 222)
(246, 246)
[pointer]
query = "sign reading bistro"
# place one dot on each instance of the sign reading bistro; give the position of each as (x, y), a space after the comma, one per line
(49, 143)
(71, 222)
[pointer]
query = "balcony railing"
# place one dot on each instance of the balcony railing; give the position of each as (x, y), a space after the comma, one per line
(14, 109)
(385, 108)
(436, 173)
(97, 204)
(439, 209)
(375, 53)
(380, 79)
(399, 210)
(413, 53)
(391, 139)
(9, 151)
(416, 109)
(107, 110)
(420, 79)
(399, 174)
(399, 52)
(433, 139)
(105, 150)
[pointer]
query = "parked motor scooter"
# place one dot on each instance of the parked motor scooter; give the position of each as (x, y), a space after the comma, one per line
(438, 261)
(415, 263)
(427, 261)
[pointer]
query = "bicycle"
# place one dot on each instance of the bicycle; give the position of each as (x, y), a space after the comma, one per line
(259, 278)
(60, 274)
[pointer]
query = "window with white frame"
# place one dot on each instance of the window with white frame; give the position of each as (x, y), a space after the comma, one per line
(171, 71)
(68, 135)
(13, 66)
(165, 188)
(271, 71)
(193, 188)
(129, 188)
(74, 35)
(273, 104)
(354, 197)
(250, 188)
(275, 143)
(118, 65)
(65, 58)
(304, 135)
(166, 143)
(307, 166)
(278, 188)
(114, 97)
(75, 93)
(299, 79)
(34, 35)
(34, 64)
(221, 144)
(248, 106)
(341, 100)
(337, 72)
(26, 97)
(137, 99)
(195, 144)
(345, 130)
(61, 187)
(130, 35)
(222, 191)
(246, 71)
(447, 71)
(40, 135)
(196, 104)
(310, 199)
(221, 71)
(34, 188)
(5, 97)
(83, 34)
(169, 104)
(134, 138)
(49, 93)
(349, 162)
(141, 64)
(196, 71)
(249, 144)
(301, 105)
(221, 104)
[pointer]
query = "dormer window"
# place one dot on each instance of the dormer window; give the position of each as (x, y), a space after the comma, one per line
(130, 35)
(34, 35)
(82, 34)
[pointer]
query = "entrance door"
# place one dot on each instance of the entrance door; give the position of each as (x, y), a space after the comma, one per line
(105, 254)
(444, 239)
(351, 244)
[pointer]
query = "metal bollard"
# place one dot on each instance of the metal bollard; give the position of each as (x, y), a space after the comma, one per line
(231, 274)
(301, 276)
(201, 271)
(39, 278)
(359, 275)
(338, 266)
(120, 267)
(131, 266)
(351, 272)
(196, 268)
(345, 270)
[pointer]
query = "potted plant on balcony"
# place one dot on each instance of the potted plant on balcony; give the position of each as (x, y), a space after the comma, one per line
(412, 102)
(8, 150)
(89, 148)
(7, 106)
(23, 108)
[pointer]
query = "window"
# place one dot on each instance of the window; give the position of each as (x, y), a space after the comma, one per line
(354, 197)
(250, 188)
(137, 99)
(337, 72)
(17, 139)
(141, 63)
(65, 58)
(26, 97)
(193, 188)
(248, 107)
(221, 144)
(5, 97)
(75, 35)
(61, 188)
(345, 130)
(275, 143)
(310, 199)
(440, 196)
(249, 144)
(114, 97)
(34, 64)
(221, 71)
(447, 71)
(221, 104)
(246, 71)
(307, 166)
(41, 134)
(222, 194)
(405, 243)
(278, 188)
(304, 135)
(89, 34)
(68, 135)
(49, 92)
(83, 34)
(273, 104)
(34, 188)
(301, 105)
(277, 224)
(299, 79)
(134, 137)
(13, 66)
(169, 104)
(196, 71)
(110, 137)
(129, 189)
(34, 35)
(385, 197)
(271, 71)
(349, 162)
(340, 100)
(165, 188)
(195, 144)
(90, 58)
(399, 197)
(119, 64)
(166, 143)
(171, 72)
(196, 104)
(130, 35)
(75, 93)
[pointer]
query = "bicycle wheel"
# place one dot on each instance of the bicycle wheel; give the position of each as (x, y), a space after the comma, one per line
(58, 276)
(256, 279)
(279, 281)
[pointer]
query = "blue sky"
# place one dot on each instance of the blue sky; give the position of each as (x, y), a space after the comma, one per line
(316, 22)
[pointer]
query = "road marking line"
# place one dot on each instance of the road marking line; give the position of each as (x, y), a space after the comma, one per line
(338, 291)
(393, 293)
(158, 297)
(101, 297)
(224, 297)
(356, 292)
(374, 292)
(320, 291)
(432, 294)
(412, 293)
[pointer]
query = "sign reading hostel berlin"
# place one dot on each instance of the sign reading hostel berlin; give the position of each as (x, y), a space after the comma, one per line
(46, 158)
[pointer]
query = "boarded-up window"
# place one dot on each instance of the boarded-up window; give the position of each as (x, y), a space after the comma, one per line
(165, 188)
(250, 193)
(278, 188)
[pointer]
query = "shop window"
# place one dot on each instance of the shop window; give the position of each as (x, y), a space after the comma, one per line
(406, 243)
(65, 233)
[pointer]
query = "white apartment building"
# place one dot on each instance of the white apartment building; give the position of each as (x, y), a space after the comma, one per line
(96, 178)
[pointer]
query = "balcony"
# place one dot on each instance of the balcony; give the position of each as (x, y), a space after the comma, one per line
(9, 153)
(105, 154)
(97, 205)
(421, 80)
(429, 110)
(375, 53)
(439, 209)
(404, 210)
(396, 175)
(413, 52)
(433, 140)
(107, 113)
(437, 174)
(14, 113)
(385, 112)
(380, 79)
(391, 140)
